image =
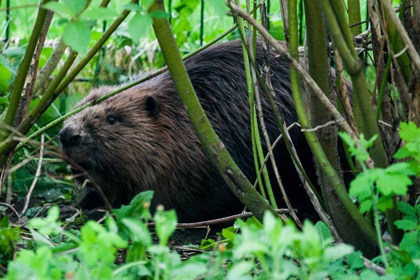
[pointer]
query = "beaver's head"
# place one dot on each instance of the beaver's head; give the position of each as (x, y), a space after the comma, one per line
(121, 130)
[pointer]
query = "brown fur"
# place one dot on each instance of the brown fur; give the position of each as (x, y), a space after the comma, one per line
(152, 144)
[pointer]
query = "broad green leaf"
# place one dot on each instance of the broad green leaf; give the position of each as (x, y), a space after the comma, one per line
(139, 232)
(5, 76)
(385, 203)
(132, 7)
(165, 222)
(409, 131)
(137, 209)
(403, 152)
(77, 36)
(390, 184)
(100, 13)
(406, 208)
(365, 206)
(60, 9)
(361, 187)
(324, 232)
(138, 26)
(338, 251)
(401, 168)
(355, 260)
(76, 6)
(406, 225)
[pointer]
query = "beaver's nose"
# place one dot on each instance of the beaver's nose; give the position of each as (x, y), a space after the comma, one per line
(69, 137)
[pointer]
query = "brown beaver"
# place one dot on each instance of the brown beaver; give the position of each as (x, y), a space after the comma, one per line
(141, 139)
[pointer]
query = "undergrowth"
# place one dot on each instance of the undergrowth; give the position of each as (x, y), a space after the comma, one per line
(133, 244)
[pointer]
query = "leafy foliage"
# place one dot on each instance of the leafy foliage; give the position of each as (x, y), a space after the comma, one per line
(272, 250)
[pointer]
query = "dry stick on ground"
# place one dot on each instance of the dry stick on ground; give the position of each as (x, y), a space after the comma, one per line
(222, 220)
(11, 208)
(37, 174)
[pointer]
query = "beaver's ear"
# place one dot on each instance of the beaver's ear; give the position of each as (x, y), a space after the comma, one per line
(152, 106)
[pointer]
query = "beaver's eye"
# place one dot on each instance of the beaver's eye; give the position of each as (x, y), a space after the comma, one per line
(111, 119)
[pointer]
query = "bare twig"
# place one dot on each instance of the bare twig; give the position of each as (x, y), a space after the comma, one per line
(223, 220)
(374, 267)
(37, 174)
(11, 208)
(316, 128)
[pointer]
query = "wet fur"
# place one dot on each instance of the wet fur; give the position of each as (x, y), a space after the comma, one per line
(152, 145)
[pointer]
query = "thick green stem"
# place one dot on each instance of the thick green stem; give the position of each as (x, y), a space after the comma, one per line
(355, 16)
(19, 82)
(213, 147)
(358, 222)
(320, 72)
(363, 110)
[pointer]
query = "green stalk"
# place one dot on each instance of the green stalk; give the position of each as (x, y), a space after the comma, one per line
(378, 229)
(359, 224)
(355, 16)
(19, 82)
(256, 143)
(213, 147)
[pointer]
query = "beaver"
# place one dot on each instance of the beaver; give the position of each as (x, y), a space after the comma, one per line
(142, 139)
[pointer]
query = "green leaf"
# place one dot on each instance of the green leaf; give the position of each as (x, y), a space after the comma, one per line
(60, 9)
(76, 6)
(159, 14)
(138, 26)
(409, 132)
(362, 186)
(139, 232)
(165, 222)
(5, 76)
(132, 7)
(100, 13)
(401, 168)
(147, 3)
(390, 184)
(138, 208)
(385, 203)
(365, 206)
(324, 232)
(77, 36)
(355, 260)
(406, 225)
(403, 152)
(406, 208)
(338, 251)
